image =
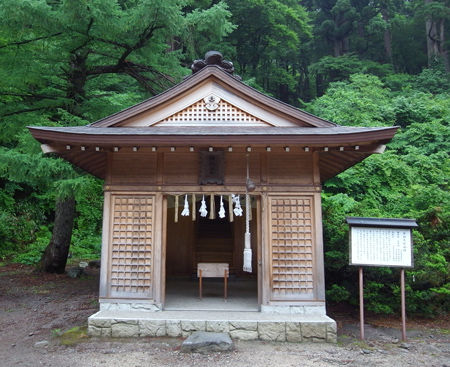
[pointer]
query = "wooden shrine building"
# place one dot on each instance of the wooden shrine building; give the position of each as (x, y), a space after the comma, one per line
(207, 138)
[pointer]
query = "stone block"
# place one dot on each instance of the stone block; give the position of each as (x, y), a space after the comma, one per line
(94, 330)
(272, 331)
(189, 326)
(293, 332)
(205, 342)
(101, 323)
(152, 327)
(243, 325)
(314, 331)
(106, 332)
(244, 334)
(124, 328)
(145, 307)
(217, 326)
(173, 328)
(331, 332)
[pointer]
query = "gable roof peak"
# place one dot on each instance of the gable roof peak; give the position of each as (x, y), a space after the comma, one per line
(220, 76)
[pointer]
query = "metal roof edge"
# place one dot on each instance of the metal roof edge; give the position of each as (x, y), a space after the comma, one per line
(381, 222)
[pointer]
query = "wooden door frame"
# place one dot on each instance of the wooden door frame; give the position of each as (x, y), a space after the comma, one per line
(260, 258)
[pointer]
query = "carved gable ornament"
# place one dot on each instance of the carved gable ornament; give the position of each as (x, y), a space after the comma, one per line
(211, 102)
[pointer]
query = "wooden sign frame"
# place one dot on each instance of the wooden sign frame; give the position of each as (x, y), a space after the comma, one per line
(381, 242)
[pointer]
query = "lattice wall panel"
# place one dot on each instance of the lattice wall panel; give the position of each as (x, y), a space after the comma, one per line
(225, 114)
(131, 245)
(292, 246)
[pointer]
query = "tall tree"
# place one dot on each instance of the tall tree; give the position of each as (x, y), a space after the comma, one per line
(66, 58)
(437, 16)
(268, 41)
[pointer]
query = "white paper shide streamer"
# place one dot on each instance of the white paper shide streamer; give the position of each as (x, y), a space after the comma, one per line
(222, 209)
(248, 243)
(185, 211)
(203, 211)
(237, 205)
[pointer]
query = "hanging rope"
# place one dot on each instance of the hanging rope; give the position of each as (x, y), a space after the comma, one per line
(247, 240)
(212, 207)
(176, 209)
(230, 208)
(193, 207)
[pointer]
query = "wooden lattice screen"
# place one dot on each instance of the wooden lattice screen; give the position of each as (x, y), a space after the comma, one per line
(199, 114)
(131, 246)
(291, 247)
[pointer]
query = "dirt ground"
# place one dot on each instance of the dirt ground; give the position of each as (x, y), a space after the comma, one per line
(43, 319)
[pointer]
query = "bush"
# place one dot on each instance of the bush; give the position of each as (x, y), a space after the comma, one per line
(33, 253)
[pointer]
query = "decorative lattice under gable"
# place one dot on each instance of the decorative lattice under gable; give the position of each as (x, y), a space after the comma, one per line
(224, 114)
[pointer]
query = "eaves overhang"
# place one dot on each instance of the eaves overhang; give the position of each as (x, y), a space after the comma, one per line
(210, 135)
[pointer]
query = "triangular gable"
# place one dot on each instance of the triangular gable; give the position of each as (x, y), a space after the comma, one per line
(212, 111)
(260, 109)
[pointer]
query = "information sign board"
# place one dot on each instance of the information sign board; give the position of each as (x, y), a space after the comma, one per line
(372, 246)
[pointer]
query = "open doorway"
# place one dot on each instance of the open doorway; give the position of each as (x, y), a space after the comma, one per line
(209, 240)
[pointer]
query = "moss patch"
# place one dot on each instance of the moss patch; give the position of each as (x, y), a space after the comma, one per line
(73, 336)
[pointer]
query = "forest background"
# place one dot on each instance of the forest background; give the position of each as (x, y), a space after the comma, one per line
(354, 62)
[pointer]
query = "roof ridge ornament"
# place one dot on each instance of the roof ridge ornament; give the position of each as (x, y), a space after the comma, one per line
(213, 58)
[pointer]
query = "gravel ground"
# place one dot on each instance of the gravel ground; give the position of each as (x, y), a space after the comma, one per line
(36, 310)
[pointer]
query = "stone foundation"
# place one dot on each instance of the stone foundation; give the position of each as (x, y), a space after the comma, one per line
(310, 309)
(129, 306)
(240, 325)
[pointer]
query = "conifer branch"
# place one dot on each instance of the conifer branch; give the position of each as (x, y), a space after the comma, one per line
(19, 43)
(23, 111)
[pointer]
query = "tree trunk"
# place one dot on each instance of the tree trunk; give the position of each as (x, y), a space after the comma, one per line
(443, 49)
(432, 38)
(54, 258)
(387, 36)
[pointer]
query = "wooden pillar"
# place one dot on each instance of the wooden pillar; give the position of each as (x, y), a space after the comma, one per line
(265, 251)
(159, 259)
(318, 228)
(105, 255)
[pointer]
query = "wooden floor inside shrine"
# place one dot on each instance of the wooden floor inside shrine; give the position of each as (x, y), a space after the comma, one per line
(182, 295)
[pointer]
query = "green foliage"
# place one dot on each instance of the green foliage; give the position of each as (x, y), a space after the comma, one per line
(361, 101)
(269, 43)
(337, 294)
(409, 180)
(34, 250)
(332, 69)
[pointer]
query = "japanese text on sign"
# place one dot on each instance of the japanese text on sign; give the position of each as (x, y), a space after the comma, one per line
(381, 246)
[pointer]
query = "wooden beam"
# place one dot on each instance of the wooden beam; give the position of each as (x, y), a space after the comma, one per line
(47, 148)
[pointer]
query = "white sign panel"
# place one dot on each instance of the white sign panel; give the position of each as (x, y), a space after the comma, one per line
(381, 246)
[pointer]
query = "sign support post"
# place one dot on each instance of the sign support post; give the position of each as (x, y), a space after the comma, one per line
(361, 304)
(381, 242)
(402, 291)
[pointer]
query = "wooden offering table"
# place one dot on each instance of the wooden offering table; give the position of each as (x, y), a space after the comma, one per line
(213, 270)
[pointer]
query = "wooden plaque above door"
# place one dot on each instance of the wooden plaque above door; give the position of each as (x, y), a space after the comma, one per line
(211, 168)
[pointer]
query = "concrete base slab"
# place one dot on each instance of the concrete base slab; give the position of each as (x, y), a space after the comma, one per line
(205, 342)
(240, 325)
